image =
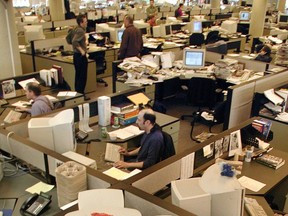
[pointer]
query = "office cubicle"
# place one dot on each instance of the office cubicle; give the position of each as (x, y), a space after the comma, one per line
(240, 97)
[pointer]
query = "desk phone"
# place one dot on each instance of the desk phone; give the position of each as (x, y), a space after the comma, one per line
(36, 204)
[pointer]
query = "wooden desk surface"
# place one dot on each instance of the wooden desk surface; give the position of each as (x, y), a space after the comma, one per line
(264, 174)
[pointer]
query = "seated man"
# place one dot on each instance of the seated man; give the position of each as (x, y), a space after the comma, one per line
(41, 104)
(264, 54)
(151, 146)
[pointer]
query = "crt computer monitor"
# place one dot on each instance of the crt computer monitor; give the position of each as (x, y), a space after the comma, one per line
(283, 18)
(33, 32)
(56, 133)
(194, 58)
(166, 30)
(244, 15)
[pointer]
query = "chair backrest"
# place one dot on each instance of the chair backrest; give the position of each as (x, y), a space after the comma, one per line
(202, 92)
(212, 37)
(91, 199)
(169, 149)
(196, 39)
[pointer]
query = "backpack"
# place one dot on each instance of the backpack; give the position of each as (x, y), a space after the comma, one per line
(70, 35)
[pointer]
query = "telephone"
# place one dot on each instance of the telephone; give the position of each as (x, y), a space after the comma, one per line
(36, 204)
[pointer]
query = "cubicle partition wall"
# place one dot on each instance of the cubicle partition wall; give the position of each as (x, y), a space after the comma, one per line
(240, 97)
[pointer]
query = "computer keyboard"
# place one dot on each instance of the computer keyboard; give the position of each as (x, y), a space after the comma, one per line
(12, 116)
(112, 152)
(253, 208)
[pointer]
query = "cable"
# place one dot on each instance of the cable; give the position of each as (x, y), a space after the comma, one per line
(8, 142)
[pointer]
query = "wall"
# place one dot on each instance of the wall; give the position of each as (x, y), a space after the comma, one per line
(10, 62)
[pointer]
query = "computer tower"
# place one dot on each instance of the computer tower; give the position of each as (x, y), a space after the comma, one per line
(104, 110)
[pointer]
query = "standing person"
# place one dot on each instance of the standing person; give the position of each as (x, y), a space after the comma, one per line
(79, 58)
(40, 105)
(151, 145)
(178, 11)
(132, 41)
(151, 10)
(152, 20)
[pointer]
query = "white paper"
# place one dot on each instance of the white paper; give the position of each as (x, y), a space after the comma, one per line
(21, 104)
(119, 174)
(208, 150)
(66, 94)
(127, 132)
(40, 186)
(8, 89)
(187, 166)
(51, 98)
(270, 94)
(235, 143)
(251, 184)
(23, 83)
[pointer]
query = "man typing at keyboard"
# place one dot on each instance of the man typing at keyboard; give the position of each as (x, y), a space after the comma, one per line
(40, 105)
(151, 144)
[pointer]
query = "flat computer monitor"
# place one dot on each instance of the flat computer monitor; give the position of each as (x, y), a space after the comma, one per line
(244, 15)
(33, 32)
(56, 133)
(196, 26)
(283, 18)
(194, 58)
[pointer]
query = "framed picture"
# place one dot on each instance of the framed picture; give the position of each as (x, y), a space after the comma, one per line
(8, 89)
(241, 66)
(235, 143)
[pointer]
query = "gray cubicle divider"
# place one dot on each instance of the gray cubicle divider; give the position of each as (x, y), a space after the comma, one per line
(212, 57)
(240, 97)
(251, 64)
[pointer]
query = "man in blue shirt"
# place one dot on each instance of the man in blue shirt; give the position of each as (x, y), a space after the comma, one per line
(151, 146)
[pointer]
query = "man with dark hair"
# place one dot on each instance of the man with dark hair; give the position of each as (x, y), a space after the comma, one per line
(151, 146)
(264, 54)
(41, 104)
(178, 11)
(132, 41)
(79, 58)
(151, 10)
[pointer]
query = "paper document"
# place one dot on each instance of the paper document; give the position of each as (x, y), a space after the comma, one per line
(187, 166)
(139, 98)
(274, 98)
(120, 174)
(251, 184)
(23, 83)
(127, 132)
(40, 186)
(66, 94)
(21, 104)
(51, 98)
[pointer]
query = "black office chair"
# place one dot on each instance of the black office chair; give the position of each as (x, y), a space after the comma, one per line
(218, 47)
(196, 39)
(99, 58)
(203, 92)
(212, 37)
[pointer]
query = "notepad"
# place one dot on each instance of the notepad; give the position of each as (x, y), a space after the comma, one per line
(120, 174)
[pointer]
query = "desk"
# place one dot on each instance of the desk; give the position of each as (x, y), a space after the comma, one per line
(13, 194)
(264, 174)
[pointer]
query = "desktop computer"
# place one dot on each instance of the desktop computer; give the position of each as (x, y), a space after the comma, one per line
(104, 110)
(56, 133)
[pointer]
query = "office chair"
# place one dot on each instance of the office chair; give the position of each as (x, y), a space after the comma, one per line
(99, 58)
(196, 39)
(202, 92)
(212, 37)
(218, 47)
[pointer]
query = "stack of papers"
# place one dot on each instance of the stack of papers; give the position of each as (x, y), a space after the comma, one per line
(127, 132)
(119, 174)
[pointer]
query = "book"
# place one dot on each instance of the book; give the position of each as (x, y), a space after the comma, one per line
(118, 108)
(270, 161)
(59, 74)
(263, 126)
(128, 113)
(128, 121)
